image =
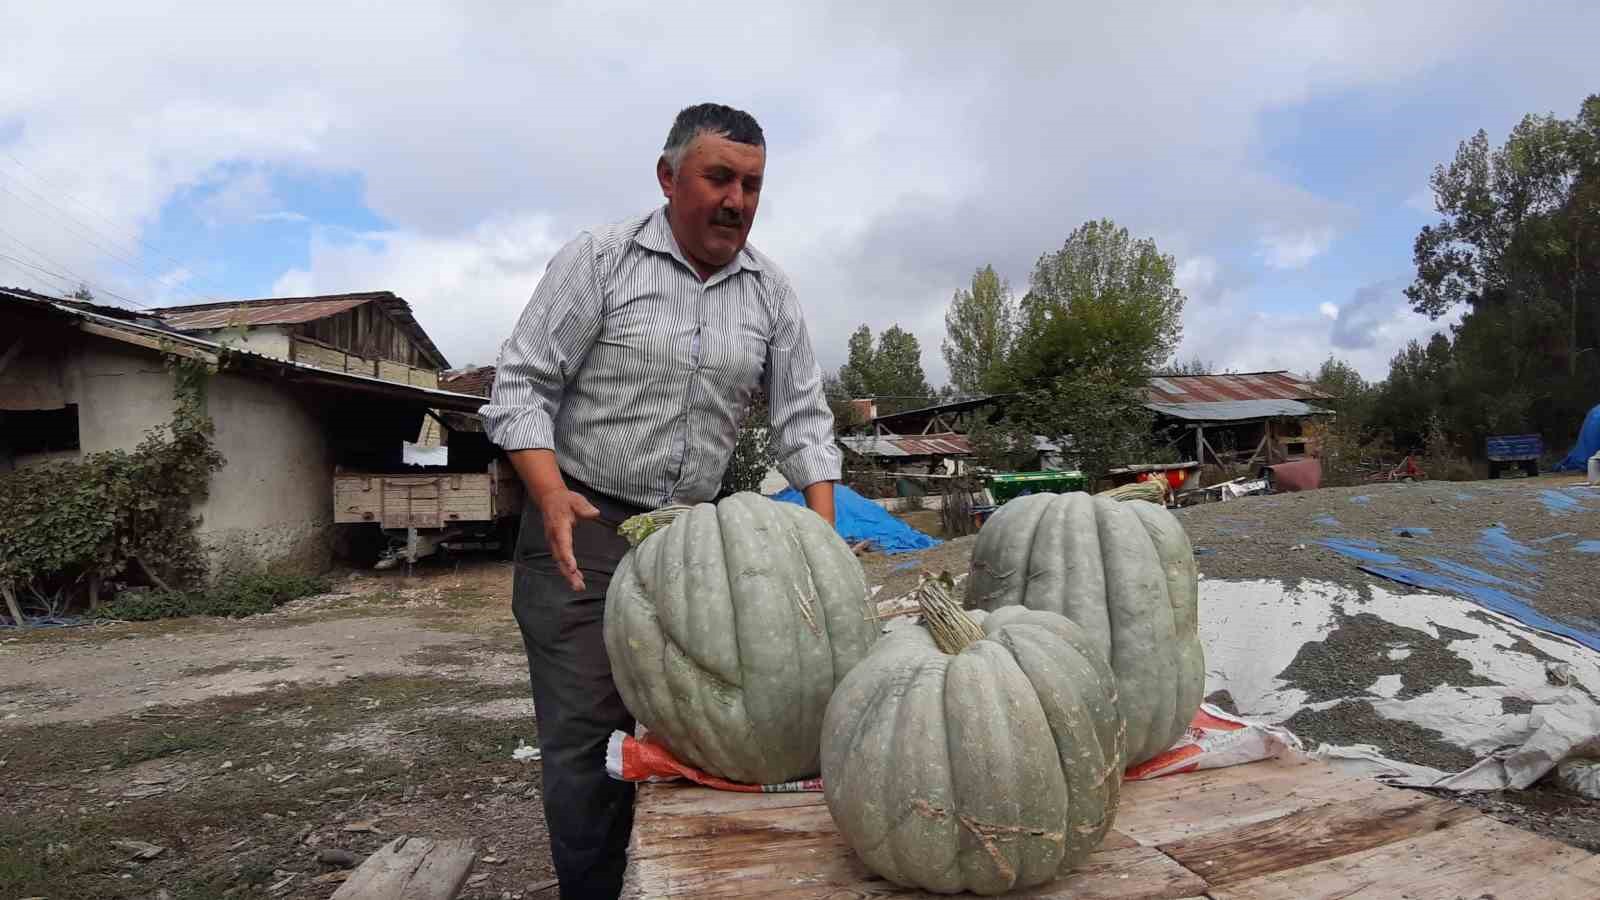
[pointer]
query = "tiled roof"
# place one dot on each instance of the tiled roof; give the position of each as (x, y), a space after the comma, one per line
(477, 381)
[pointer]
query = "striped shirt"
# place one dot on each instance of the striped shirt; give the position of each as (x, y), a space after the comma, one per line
(637, 374)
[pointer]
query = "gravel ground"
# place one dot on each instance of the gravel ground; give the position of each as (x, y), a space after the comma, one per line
(1533, 537)
(1536, 538)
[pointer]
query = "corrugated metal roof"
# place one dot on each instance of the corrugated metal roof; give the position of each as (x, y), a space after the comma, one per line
(1199, 389)
(944, 444)
(1235, 410)
(284, 311)
(295, 311)
(142, 334)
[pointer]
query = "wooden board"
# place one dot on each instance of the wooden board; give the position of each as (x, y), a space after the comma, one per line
(1284, 828)
(422, 501)
(410, 868)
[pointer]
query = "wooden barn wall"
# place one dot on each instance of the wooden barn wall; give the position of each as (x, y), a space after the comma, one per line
(366, 331)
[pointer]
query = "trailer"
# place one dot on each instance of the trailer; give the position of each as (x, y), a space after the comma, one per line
(424, 512)
(1514, 451)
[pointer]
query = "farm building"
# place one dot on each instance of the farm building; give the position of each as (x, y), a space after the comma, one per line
(304, 387)
(1251, 418)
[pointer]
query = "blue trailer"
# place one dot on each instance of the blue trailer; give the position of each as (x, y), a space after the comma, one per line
(1515, 451)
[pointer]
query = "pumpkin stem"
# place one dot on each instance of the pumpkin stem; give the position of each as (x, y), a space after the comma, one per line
(637, 528)
(952, 629)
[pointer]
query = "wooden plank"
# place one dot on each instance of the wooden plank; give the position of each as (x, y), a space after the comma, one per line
(427, 378)
(1313, 835)
(1168, 809)
(410, 868)
(1474, 859)
(796, 852)
(357, 498)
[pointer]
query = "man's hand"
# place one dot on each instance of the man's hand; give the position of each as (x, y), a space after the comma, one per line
(560, 509)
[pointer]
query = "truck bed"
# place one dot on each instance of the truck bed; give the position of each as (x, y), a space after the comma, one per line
(1288, 828)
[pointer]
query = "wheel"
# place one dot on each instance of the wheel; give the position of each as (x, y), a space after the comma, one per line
(1531, 467)
(1494, 469)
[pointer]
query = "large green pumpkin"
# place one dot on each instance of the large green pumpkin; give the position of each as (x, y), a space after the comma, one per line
(986, 767)
(728, 629)
(1124, 571)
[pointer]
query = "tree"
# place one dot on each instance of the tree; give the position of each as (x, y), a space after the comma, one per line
(978, 329)
(858, 376)
(1518, 243)
(1194, 366)
(1097, 418)
(1105, 302)
(890, 371)
(752, 452)
(83, 293)
(898, 363)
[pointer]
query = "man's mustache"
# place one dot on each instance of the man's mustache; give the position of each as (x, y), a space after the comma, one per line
(728, 217)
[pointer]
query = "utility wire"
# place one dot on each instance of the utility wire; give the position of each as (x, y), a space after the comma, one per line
(57, 263)
(134, 267)
(135, 238)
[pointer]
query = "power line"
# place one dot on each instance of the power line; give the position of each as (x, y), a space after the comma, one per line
(83, 207)
(57, 263)
(134, 267)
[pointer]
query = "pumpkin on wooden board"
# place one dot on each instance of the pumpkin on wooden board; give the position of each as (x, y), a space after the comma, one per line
(1125, 572)
(728, 626)
(978, 752)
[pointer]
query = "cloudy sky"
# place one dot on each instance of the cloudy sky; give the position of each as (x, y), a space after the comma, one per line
(172, 152)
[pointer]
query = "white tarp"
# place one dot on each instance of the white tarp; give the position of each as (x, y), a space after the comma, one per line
(1253, 630)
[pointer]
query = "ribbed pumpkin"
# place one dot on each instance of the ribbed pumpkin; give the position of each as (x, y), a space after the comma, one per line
(1125, 572)
(980, 752)
(728, 629)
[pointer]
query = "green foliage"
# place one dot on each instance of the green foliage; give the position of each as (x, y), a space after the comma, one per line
(1105, 301)
(246, 594)
(1518, 243)
(752, 452)
(1097, 415)
(1193, 366)
(978, 331)
(891, 370)
(1002, 446)
(113, 511)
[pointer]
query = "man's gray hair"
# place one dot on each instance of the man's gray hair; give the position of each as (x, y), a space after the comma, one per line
(714, 119)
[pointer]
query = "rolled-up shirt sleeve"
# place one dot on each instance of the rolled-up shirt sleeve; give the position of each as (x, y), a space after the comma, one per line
(802, 424)
(551, 339)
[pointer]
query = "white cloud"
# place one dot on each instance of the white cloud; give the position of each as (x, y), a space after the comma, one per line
(1366, 332)
(1295, 248)
(902, 156)
(467, 290)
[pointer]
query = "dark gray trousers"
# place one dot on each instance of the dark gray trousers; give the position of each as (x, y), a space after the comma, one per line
(588, 814)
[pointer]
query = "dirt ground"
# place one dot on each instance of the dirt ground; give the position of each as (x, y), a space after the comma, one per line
(264, 757)
(249, 751)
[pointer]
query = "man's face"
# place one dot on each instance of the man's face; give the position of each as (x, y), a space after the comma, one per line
(713, 197)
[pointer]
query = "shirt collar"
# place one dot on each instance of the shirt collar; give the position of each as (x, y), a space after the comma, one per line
(657, 235)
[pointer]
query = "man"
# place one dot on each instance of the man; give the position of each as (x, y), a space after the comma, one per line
(620, 390)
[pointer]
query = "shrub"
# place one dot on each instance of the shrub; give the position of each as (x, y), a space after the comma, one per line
(247, 594)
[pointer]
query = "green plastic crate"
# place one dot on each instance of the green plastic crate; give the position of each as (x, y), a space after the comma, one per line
(1006, 486)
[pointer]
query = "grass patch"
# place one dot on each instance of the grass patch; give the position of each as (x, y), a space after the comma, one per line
(246, 594)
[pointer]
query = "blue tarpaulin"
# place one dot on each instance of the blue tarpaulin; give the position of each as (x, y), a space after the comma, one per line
(858, 519)
(1588, 444)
